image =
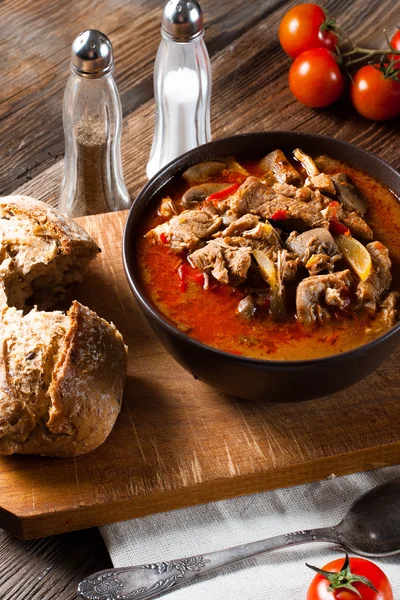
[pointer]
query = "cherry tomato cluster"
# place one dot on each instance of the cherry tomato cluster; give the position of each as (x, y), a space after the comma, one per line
(317, 76)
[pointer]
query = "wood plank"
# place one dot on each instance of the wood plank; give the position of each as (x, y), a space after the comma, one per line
(177, 442)
(35, 83)
(251, 94)
(49, 569)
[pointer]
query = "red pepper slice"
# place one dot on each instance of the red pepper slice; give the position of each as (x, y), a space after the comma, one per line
(222, 194)
(182, 282)
(189, 273)
(163, 238)
(197, 277)
(280, 215)
(336, 228)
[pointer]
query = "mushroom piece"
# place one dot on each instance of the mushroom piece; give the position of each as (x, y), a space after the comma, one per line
(307, 162)
(316, 249)
(348, 195)
(197, 194)
(246, 308)
(204, 171)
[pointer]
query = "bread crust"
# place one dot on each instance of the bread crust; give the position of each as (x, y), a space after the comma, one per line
(53, 254)
(59, 226)
(85, 393)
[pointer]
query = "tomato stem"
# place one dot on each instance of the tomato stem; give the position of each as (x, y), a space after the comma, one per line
(344, 578)
(366, 54)
(329, 24)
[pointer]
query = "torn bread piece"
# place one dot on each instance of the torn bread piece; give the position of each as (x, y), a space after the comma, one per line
(42, 253)
(61, 381)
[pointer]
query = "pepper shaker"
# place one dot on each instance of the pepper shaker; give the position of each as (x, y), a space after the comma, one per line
(182, 85)
(93, 181)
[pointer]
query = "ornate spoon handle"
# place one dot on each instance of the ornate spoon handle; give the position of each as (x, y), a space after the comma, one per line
(147, 581)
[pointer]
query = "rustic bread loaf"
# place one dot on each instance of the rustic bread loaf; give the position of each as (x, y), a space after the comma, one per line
(41, 253)
(61, 381)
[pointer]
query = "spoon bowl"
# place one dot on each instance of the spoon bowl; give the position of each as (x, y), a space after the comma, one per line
(371, 526)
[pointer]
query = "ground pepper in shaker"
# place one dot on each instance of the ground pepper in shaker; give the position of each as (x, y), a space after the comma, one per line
(182, 85)
(93, 181)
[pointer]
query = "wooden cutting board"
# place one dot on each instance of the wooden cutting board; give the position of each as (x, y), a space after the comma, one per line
(177, 442)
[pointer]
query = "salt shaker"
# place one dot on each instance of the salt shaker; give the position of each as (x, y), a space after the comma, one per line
(93, 181)
(182, 85)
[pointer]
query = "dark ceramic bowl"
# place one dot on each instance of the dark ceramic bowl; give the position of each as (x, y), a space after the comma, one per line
(247, 377)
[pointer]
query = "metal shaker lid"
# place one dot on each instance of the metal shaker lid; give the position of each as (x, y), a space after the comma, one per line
(182, 20)
(91, 54)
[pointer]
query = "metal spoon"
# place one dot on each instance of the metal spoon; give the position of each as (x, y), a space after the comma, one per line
(371, 527)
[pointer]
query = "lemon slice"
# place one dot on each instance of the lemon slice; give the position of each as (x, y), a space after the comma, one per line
(356, 255)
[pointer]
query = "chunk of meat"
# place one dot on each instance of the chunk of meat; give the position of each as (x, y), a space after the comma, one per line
(287, 265)
(305, 194)
(185, 231)
(357, 225)
(351, 220)
(381, 264)
(203, 172)
(285, 189)
(240, 225)
(167, 208)
(348, 195)
(197, 194)
(254, 233)
(250, 196)
(369, 291)
(316, 249)
(255, 197)
(306, 161)
(387, 316)
(214, 210)
(316, 294)
(277, 164)
(293, 213)
(323, 183)
(228, 264)
(263, 235)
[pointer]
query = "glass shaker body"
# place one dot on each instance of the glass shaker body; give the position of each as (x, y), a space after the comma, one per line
(93, 181)
(182, 91)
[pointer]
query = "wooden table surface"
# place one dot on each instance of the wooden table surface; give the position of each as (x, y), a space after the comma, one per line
(250, 93)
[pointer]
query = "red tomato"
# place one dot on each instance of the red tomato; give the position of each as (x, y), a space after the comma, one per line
(318, 589)
(374, 96)
(328, 39)
(300, 30)
(315, 78)
(395, 41)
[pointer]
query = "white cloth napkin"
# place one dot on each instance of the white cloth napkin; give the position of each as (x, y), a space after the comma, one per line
(280, 575)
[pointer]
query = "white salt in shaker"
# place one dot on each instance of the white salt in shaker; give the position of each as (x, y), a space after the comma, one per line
(182, 85)
(93, 181)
